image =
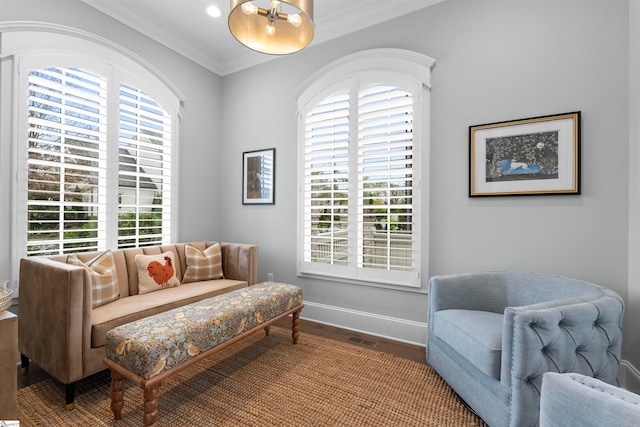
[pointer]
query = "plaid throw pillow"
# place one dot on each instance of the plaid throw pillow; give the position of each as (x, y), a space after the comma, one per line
(104, 281)
(203, 265)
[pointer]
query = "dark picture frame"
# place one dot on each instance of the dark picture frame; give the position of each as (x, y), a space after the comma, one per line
(258, 177)
(534, 156)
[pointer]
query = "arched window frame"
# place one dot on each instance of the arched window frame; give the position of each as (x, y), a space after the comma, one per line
(404, 69)
(23, 44)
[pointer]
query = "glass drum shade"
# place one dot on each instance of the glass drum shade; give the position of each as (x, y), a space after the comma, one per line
(250, 29)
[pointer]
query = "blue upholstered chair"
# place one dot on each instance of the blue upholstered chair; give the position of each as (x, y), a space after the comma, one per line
(573, 400)
(492, 335)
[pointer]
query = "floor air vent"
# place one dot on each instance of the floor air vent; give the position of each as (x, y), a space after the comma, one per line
(363, 341)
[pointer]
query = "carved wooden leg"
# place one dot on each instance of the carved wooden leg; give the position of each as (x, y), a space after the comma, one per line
(117, 394)
(266, 330)
(296, 326)
(151, 404)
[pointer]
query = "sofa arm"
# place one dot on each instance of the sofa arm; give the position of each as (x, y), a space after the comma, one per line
(54, 316)
(240, 262)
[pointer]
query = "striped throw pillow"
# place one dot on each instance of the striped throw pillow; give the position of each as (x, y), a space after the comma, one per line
(104, 280)
(203, 265)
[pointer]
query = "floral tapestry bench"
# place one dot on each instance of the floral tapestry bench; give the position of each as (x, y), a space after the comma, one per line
(149, 350)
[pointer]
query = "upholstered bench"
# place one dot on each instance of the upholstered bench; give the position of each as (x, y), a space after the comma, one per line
(151, 349)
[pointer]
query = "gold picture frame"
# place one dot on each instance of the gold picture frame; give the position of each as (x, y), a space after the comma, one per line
(534, 156)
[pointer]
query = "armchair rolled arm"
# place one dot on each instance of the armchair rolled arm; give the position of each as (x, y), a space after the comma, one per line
(571, 393)
(55, 315)
(240, 262)
(484, 291)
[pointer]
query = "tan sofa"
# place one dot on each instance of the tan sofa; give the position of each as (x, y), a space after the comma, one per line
(60, 331)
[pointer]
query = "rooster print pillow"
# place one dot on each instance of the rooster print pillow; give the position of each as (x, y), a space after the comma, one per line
(156, 272)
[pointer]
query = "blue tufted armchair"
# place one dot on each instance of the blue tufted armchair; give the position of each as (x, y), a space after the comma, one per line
(492, 335)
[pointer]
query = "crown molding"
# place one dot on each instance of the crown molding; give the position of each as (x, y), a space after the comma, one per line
(330, 23)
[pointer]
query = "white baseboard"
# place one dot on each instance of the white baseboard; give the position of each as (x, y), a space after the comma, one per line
(629, 377)
(368, 323)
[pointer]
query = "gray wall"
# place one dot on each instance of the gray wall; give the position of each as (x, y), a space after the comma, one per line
(199, 130)
(496, 60)
(631, 334)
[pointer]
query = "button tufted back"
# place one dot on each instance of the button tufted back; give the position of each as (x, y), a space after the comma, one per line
(581, 335)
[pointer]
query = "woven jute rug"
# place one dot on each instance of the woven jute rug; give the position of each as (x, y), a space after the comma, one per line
(268, 381)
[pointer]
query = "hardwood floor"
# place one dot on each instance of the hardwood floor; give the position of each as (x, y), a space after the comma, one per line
(407, 351)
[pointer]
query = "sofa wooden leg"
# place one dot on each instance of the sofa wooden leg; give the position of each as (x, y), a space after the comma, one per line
(24, 364)
(70, 396)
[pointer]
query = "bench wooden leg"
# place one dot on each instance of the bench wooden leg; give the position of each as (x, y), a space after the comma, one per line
(151, 404)
(267, 329)
(117, 394)
(295, 326)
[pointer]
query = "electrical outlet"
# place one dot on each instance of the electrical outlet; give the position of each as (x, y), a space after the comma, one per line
(269, 277)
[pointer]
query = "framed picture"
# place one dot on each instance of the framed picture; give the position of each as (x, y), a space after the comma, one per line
(535, 156)
(258, 177)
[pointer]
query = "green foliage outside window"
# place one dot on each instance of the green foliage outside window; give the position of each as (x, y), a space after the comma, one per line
(78, 234)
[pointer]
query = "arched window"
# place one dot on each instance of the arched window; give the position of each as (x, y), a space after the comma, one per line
(95, 139)
(363, 147)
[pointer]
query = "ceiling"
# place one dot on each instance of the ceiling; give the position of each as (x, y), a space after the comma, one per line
(184, 25)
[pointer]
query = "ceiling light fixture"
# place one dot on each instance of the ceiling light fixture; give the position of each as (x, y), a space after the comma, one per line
(272, 27)
(214, 11)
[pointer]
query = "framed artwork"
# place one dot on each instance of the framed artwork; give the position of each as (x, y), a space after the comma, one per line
(258, 177)
(535, 156)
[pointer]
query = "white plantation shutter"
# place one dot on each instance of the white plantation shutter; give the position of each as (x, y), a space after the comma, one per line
(144, 170)
(66, 165)
(385, 178)
(360, 175)
(75, 140)
(326, 181)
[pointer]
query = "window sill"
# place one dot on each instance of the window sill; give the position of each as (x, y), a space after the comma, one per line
(423, 289)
